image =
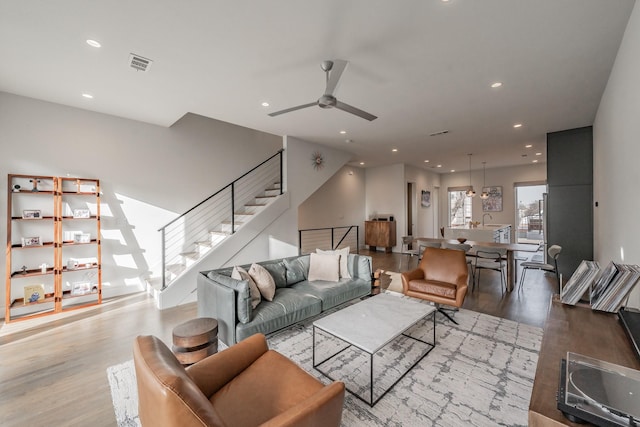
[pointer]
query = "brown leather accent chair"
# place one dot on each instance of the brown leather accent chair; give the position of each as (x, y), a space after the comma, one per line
(442, 277)
(244, 385)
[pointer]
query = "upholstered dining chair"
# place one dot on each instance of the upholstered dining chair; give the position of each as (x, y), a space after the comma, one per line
(244, 385)
(490, 258)
(442, 277)
(554, 253)
(422, 245)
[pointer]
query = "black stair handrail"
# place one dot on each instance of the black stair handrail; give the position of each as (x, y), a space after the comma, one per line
(279, 153)
(232, 184)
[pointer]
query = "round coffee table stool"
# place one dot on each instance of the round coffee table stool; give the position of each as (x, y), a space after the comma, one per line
(195, 339)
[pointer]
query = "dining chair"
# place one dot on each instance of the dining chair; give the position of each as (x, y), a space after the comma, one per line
(406, 242)
(422, 245)
(490, 258)
(554, 253)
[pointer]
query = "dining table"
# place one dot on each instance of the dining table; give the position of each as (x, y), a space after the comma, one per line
(511, 248)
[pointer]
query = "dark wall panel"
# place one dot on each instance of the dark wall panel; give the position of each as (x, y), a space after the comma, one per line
(570, 201)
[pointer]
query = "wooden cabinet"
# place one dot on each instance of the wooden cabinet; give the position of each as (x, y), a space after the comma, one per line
(580, 330)
(380, 233)
(53, 245)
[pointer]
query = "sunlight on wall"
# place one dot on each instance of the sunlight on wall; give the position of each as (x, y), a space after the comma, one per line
(115, 235)
(125, 261)
(280, 249)
(142, 221)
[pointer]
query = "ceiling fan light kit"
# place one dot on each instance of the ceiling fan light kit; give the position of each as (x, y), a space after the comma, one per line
(333, 71)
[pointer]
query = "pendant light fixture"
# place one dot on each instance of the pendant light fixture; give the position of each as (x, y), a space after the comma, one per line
(470, 192)
(484, 195)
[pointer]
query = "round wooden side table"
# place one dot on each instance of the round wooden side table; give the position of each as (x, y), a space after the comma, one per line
(195, 339)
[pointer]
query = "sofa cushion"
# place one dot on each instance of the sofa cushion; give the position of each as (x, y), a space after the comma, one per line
(344, 256)
(324, 267)
(289, 306)
(441, 289)
(243, 299)
(335, 293)
(240, 273)
(297, 269)
(263, 280)
(278, 272)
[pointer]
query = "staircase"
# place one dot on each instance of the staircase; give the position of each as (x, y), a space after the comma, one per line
(196, 234)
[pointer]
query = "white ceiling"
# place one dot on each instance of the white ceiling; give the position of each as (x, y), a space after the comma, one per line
(421, 66)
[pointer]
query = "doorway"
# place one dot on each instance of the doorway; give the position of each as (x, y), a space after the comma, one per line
(411, 209)
(530, 212)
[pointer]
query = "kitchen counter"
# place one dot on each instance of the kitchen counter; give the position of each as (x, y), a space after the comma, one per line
(500, 233)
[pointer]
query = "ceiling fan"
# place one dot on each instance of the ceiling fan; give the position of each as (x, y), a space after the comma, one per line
(333, 71)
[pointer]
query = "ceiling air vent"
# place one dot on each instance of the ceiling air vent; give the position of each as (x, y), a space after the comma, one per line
(139, 63)
(442, 132)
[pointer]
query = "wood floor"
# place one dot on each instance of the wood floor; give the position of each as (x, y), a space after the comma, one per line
(54, 373)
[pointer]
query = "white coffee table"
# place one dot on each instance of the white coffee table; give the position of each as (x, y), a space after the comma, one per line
(369, 326)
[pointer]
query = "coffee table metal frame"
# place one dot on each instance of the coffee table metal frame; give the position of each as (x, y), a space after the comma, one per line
(431, 311)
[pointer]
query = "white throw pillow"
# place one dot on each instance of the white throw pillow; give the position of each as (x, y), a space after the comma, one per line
(240, 273)
(324, 267)
(264, 281)
(344, 258)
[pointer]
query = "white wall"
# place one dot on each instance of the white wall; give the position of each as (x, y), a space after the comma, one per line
(339, 202)
(149, 174)
(386, 194)
(426, 217)
(280, 239)
(505, 177)
(616, 173)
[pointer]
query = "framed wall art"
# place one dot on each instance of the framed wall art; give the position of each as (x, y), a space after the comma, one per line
(425, 200)
(494, 202)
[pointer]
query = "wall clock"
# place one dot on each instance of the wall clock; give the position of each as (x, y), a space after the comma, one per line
(317, 161)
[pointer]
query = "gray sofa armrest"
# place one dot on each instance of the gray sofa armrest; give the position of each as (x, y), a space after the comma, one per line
(218, 301)
(360, 266)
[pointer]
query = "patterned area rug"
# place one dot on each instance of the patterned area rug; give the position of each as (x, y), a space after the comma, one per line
(480, 373)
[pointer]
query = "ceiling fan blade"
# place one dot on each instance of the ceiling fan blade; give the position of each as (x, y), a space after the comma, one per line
(353, 110)
(288, 110)
(334, 76)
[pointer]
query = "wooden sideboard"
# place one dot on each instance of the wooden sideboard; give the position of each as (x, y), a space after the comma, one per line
(579, 330)
(380, 233)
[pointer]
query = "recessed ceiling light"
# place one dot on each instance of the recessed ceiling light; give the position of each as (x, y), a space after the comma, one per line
(93, 43)
(439, 166)
(496, 84)
(426, 161)
(342, 132)
(453, 170)
(528, 146)
(395, 150)
(534, 161)
(87, 95)
(362, 163)
(265, 104)
(517, 125)
(538, 154)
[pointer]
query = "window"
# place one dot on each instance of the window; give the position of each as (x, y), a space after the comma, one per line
(459, 207)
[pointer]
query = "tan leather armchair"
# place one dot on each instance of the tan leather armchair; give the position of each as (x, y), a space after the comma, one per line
(442, 277)
(244, 385)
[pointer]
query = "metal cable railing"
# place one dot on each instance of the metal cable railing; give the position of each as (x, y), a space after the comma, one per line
(219, 215)
(332, 238)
